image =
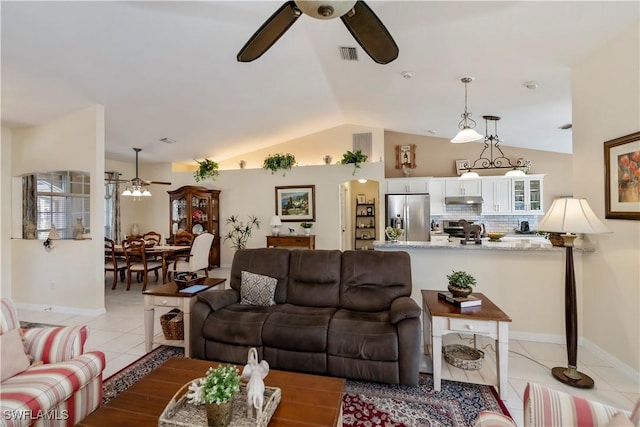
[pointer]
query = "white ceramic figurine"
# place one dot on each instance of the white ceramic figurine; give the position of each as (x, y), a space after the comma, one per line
(255, 373)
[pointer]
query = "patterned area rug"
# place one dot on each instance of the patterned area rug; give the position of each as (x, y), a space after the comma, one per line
(366, 404)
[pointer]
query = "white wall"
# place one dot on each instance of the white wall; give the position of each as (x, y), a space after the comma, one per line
(70, 276)
(5, 214)
(606, 105)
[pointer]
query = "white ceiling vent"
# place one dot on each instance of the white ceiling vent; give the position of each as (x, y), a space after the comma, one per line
(348, 53)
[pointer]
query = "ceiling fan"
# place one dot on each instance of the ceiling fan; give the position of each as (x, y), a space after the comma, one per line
(137, 183)
(362, 23)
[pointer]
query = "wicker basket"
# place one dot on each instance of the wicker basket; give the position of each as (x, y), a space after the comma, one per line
(556, 239)
(173, 325)
(463, 357)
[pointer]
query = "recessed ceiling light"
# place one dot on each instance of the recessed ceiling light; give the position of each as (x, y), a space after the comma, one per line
(407, 74)
(431, 131)
(531, 84)
(566, 127)
(167, 140)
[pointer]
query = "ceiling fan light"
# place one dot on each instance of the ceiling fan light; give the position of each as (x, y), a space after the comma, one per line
(146, 193)
(469, 175)
(136, 193)
(320, 9)
(126, 192)
(467, 135)
(515, 173)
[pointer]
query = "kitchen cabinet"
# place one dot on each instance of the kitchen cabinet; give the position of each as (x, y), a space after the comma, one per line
(496, 196)
(455, 187)
(527, 195)
(407, 185)
(196, 210)
(365, 231)
(436, 196)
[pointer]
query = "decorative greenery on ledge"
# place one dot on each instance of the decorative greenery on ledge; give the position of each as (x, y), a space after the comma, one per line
(278, 162)
(354, 157)
(206, 169)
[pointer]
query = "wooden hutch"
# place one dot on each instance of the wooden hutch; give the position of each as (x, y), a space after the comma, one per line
(196, 210)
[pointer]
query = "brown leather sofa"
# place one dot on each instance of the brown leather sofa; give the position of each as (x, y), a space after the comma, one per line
(345, 314)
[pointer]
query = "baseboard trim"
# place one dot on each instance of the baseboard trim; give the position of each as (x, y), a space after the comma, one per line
(61, 309)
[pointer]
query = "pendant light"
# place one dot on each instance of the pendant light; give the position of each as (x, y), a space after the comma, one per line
(466, 125)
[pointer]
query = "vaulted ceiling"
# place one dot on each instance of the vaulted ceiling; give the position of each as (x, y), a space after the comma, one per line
(169, 69)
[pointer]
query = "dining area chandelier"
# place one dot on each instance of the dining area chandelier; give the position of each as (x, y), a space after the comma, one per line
(491, 156)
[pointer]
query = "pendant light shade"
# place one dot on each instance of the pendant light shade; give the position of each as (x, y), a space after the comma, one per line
(515, 173)
(466, 125)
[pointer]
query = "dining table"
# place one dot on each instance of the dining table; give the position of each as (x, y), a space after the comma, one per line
(164, 251)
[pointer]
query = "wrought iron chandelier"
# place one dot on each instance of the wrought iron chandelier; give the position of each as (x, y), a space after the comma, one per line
(466, 125)
(500, 161)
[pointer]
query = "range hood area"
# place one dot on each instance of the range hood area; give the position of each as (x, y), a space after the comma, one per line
(463, 200)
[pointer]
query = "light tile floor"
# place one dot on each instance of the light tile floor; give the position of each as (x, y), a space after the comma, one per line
(120, 335)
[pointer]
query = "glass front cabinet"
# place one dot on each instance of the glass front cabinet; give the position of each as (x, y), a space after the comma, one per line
(196, 210)
(527, 195)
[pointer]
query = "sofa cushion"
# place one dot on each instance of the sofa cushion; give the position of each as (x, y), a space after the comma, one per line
(43, 387)
(272, 262)
(314, 278)
(55, 344)
(14, 358)
(302, 329)
(256, 289)
(238, 324)
(371, 280)
(363, 335)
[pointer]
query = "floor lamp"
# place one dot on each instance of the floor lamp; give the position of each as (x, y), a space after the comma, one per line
(571, 216)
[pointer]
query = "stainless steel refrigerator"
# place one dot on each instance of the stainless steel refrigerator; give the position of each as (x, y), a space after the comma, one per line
(411, 213)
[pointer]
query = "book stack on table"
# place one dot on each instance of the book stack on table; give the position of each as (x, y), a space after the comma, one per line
(469, 301)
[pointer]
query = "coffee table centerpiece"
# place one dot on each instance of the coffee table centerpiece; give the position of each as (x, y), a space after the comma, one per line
(216, 391)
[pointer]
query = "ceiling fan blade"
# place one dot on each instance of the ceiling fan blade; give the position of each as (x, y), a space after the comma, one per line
(159, 182)
(370, 33)
(269, 32)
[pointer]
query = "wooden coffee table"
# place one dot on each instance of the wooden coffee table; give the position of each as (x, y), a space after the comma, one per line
(167, 295)
(307, 400)
(440, 318)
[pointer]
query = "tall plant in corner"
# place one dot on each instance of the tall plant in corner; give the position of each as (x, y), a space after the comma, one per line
(278, 162)
(356, 158)
(240, 232)
(206, 169)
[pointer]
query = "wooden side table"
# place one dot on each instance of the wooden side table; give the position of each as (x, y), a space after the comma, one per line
(440, 318)
(308, 242)
(167, 295)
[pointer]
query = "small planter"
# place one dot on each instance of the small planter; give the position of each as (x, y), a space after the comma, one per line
(459, 292)
(219, 414)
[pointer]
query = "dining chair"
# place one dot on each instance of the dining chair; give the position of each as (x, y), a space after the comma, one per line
(151, 238)
(137, 262)
(198, 257)
(183, 238)
(112, 262)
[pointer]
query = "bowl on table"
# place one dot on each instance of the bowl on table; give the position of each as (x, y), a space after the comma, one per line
(495, 236)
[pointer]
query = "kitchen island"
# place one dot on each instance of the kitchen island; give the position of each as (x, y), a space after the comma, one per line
(526, 280)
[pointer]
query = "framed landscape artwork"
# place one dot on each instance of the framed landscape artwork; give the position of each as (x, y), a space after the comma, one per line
(622, 177)
(296, 203)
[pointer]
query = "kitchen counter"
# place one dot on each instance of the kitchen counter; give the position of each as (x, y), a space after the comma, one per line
(507, 243)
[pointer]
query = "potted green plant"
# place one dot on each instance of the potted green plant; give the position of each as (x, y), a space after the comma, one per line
(278, 162)
(206, 169)
(354, 158)
(240, 232)
(461, 283)
(393, 233)
(307, 227)
(217, 391)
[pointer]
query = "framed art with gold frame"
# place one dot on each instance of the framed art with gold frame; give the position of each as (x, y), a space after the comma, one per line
(622, 177)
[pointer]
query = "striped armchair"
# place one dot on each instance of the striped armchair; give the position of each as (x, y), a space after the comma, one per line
(57, 385)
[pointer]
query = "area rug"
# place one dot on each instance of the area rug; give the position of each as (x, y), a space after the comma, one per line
(366, 404)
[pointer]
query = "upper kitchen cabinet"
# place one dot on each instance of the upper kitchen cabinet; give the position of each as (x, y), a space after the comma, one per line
(496, 196)
(407, 185)
(455, 187)
(527, 194)
(436, 196)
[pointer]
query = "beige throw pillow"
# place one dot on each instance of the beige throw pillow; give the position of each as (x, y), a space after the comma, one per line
(256, 289)
(14, 359)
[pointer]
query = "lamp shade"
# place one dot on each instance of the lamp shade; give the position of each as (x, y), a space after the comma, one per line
(515, 173)
(569, 215)
(467, 135)
(469, 175)
(275, 220)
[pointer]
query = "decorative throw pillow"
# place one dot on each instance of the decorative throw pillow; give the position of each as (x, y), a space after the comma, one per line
(493, 419)
(14, 359)
(256, 289)
(619, 420)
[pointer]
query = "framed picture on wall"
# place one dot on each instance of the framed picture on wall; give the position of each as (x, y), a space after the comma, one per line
(406, 156)
(361, 199)
(461, 165)
(296, 203)
(622, 177)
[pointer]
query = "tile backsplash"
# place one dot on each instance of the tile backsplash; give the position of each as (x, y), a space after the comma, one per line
(499, 223)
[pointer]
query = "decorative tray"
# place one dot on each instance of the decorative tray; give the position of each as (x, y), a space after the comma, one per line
(180, 413)
(463, 357)
(184, 280)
